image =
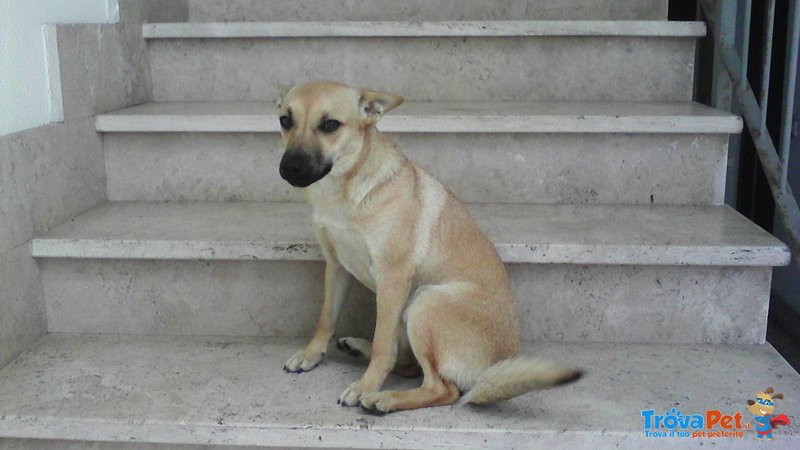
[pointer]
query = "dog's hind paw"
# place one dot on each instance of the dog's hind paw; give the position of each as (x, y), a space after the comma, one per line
(378, 403)
(372, 410)
(352, 395)
(355, 347)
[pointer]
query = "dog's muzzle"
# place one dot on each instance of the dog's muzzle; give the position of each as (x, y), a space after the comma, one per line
(301, 169)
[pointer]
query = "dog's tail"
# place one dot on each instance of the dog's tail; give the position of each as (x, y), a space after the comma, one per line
(516, 376)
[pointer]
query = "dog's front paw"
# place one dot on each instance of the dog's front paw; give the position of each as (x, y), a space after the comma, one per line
(352, 395)
(303, 361)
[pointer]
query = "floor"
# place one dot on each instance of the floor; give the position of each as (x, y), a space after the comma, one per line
(232, 391)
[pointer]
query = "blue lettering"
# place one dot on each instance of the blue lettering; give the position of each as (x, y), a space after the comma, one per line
(648, 414)
(655, 434)
(672, 420)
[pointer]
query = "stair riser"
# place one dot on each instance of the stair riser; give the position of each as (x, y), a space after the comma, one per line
(663, 304)
(429, 69)
(480, 168)
(419, 10)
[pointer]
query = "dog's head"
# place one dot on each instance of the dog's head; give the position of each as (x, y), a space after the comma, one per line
(323, 125)
(764, 404)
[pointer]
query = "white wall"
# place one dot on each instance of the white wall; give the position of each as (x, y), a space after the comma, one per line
(25, 97)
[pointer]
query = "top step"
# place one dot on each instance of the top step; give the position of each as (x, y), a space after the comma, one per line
(415, 10)
(565, 60)
(551, 28)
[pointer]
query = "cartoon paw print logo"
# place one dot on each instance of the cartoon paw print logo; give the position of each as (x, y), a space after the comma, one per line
(762, 408)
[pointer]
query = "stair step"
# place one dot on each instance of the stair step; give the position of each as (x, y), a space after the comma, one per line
(224, 391)
(302, 10)
(544, 152)
(580, 273)
(193, 30)
(428, 61)
(439, 117)
(541, 234)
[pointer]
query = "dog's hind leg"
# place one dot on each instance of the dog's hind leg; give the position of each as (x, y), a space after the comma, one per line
(434, 391)
(422, 325)
(406, 365)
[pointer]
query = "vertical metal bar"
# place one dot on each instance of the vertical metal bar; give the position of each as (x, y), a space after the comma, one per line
(722, 13)
(767, 64)
(698, 48)
(748, 9)
(722, 90)
(789, 85)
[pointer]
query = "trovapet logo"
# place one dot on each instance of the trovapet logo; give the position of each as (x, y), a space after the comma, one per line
(710, 424)
(713, 423)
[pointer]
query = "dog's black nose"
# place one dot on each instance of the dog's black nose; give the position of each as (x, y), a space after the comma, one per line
(301, 169)
(293, 165)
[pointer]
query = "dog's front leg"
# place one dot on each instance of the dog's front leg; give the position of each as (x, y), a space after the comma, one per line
(337, 285)
(392, 295)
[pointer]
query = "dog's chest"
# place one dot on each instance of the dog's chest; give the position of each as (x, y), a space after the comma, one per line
(349, 243)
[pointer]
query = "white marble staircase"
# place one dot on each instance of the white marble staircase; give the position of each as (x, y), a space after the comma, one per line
(566, 126)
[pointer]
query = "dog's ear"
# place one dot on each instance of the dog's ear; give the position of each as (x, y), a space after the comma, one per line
(284, 89)
(373, 105)
(750, 403)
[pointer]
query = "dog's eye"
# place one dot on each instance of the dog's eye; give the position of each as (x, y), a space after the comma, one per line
(329, 126)
(286, 122)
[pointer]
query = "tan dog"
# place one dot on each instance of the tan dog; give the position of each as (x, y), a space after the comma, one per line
(443, 297)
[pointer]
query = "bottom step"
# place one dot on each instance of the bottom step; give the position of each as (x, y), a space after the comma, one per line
(232, 391)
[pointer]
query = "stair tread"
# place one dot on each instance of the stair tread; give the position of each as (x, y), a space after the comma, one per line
(550, 234)
(440, 117)
(232, 391)
(639, 28)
